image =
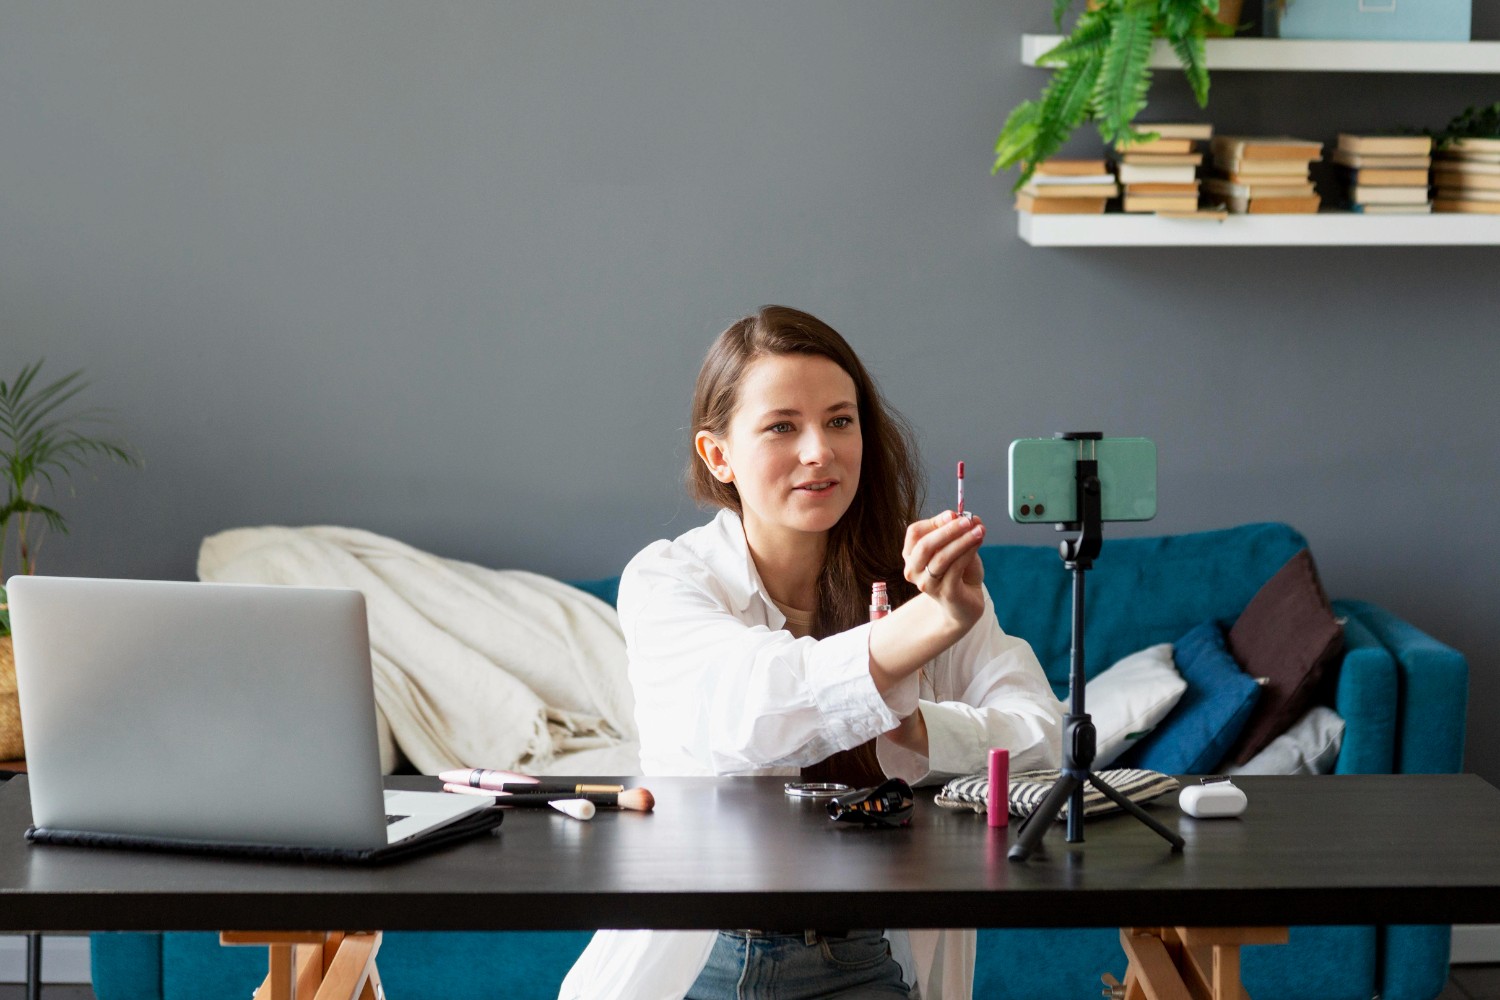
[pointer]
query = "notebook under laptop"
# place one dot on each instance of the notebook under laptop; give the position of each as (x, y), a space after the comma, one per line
(208, 714)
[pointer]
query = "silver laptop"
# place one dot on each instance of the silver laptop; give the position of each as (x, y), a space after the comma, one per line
(227, 713)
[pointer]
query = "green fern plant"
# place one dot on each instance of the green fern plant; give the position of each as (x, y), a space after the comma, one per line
(1101, 73)
(37, 444)
(1475, 122)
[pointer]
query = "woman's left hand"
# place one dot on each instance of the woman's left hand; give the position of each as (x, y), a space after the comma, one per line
(942, 558)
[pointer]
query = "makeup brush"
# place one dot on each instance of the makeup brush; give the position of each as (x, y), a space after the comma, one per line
(637, 799)
(545, 787)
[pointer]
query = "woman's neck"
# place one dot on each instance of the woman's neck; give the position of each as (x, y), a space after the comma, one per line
(789, 563)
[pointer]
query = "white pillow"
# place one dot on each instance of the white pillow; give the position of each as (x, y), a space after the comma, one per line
(1310, 746)
(1129, 698)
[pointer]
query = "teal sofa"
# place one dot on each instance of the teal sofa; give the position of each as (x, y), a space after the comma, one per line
(1402, 695)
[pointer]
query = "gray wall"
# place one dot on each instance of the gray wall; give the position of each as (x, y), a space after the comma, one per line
(445, 271)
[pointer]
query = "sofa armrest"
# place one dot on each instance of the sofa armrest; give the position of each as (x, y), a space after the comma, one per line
(1366, 698)
(1433, 692)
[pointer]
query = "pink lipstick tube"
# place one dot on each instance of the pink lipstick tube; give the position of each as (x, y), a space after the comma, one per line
(999, 798)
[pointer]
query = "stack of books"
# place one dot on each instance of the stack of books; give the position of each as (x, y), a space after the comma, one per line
(1264, 175)
(1385, 174)
(1068, 187)
(1467, 175)
(1161, 174)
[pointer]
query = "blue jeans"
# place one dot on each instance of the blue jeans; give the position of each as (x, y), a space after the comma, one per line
(765, 965)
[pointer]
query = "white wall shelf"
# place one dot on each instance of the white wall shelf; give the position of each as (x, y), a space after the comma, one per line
(1324, 229)
(1328, 229)
(1317, 56)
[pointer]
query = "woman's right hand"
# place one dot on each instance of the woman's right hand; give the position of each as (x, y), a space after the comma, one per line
(942, 559)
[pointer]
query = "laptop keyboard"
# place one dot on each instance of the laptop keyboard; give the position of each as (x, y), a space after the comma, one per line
(389, 819)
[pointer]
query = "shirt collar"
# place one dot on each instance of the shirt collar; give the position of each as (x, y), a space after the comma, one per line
(733, 564)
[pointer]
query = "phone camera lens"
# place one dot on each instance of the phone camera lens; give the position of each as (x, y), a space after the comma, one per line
(1040, 510)
(1025, 509)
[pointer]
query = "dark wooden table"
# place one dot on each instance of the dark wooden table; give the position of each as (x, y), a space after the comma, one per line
(738, 853)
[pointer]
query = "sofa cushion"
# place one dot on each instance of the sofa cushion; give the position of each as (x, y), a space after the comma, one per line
(1310, 746)
(1288, 635)
(1141, 591)
(1196, 735)
(1127, 701)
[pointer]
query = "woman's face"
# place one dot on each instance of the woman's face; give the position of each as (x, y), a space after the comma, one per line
(794, 445)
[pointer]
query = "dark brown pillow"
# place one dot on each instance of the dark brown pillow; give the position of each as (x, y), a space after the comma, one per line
(1288, 635)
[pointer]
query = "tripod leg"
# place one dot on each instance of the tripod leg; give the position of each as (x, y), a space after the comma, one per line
(1036, 824)
(1135, 810)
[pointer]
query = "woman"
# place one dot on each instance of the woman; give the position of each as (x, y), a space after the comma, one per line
(751, 652)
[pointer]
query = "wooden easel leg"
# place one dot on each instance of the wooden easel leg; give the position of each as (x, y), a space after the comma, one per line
(351, 968)
(316, 965)
(1151, 965)
(1189, 963)
(309, 969)
(373, 989)
(1227, 971)
(278, 982)
(331, 942)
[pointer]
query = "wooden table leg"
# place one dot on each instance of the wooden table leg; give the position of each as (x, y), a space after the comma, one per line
(316, 965)
(1189, 963)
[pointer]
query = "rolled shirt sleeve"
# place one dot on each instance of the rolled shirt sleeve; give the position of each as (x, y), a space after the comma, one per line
(988, 690)
(718, 692)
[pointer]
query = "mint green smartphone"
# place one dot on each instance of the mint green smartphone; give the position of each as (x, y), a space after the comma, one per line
(1042, 474)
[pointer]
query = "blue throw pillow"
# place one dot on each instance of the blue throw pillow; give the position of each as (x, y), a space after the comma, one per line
(1213, 710)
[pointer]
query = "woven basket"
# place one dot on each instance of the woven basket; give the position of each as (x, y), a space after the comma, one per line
(12, 747)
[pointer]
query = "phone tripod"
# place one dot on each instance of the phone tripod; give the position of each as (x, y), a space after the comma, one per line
(1079, 736)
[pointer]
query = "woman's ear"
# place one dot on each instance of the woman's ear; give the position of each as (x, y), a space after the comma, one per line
(711, 450)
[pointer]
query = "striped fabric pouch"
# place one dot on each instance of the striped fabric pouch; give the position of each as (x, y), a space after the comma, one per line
(1028, 788)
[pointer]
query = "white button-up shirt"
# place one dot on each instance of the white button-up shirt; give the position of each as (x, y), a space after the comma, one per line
(721, 688)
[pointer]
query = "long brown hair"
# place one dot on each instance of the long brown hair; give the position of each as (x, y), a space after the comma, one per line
(865, 544)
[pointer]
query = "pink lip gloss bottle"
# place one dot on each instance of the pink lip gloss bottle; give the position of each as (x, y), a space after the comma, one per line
(998, 806)
(880, 601)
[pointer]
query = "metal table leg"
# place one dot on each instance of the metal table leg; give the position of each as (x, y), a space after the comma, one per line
(33, 965)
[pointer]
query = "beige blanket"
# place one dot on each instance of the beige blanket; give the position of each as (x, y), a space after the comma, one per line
(473, 667)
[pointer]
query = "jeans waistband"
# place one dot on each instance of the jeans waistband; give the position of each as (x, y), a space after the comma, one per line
(810, 937)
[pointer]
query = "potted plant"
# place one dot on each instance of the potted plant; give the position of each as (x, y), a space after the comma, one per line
(1481, 122)
(39, 445)
(1101, 72)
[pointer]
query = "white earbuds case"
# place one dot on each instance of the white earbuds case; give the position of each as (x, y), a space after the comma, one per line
(1213, 799)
